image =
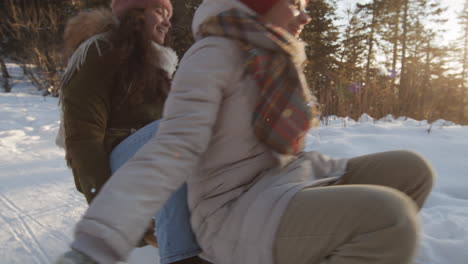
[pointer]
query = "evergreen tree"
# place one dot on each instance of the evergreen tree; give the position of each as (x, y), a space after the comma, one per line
(350, 71)
(416, 37)
(352, 49)
(390, 34)
(372, 14)
(321, 36)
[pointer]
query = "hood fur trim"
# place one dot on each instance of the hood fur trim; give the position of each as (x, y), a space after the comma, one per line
(168, 59)
(86, 25)
(210, 8)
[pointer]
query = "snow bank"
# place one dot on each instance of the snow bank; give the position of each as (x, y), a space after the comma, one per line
(39, 204)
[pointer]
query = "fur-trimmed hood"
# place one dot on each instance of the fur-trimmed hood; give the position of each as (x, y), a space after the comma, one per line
(87, 29)
(211, 8)
(89, 26)
(86, 25)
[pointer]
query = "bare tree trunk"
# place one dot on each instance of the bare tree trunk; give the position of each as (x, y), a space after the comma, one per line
(371, 44)
(370, 50)
(425, 82)
(396, 23)
(403, 81)
(5, 76)
(463, 107)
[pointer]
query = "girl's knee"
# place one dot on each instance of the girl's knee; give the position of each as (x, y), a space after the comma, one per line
(403, 214)
(394, 208)
(394, 219)
(417, 166)
(401, 229)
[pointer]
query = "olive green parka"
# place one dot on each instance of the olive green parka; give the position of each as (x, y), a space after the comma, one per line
(96, 117)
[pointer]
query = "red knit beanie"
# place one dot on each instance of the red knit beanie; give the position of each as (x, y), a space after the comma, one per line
(119, 7)
(259, 6)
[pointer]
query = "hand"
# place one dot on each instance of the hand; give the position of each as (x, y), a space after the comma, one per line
(74, 257)
(149, 237)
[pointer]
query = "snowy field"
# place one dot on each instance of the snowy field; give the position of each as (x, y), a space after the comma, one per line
(39, 204)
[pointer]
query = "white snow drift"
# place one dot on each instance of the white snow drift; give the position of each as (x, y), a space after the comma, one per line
(39, 204)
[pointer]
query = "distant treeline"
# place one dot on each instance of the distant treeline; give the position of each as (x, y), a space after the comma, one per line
(387, 58)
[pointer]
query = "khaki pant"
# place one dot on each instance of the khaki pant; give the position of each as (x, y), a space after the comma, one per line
(370, 216)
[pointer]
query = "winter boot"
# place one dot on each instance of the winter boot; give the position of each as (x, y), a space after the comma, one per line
(74, 257)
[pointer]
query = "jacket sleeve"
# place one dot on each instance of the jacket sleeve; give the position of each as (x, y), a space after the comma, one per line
(85, 105)
(125, 205)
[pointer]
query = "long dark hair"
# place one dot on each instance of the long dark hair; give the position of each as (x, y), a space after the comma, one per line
(138, 77)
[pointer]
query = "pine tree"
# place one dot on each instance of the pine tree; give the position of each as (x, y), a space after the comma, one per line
(373, 14)
(373, 11)
(416, 41)
(352, 49)
(321, 36)
(390, 33)
(350, 71)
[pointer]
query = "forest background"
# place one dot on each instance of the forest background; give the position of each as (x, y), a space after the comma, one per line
(377, 57)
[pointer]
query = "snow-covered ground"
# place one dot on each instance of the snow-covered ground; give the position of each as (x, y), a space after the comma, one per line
(39, 204)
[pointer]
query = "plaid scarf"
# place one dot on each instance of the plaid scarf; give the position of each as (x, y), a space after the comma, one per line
(285, 108)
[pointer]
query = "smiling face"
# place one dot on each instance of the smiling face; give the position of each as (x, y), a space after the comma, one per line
(300, 20)
(289, 15)
(157, 23)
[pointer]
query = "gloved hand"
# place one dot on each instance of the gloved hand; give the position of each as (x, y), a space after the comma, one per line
(149, 236)
(75, 257)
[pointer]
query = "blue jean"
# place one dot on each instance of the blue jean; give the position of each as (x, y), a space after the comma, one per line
(176, 240)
